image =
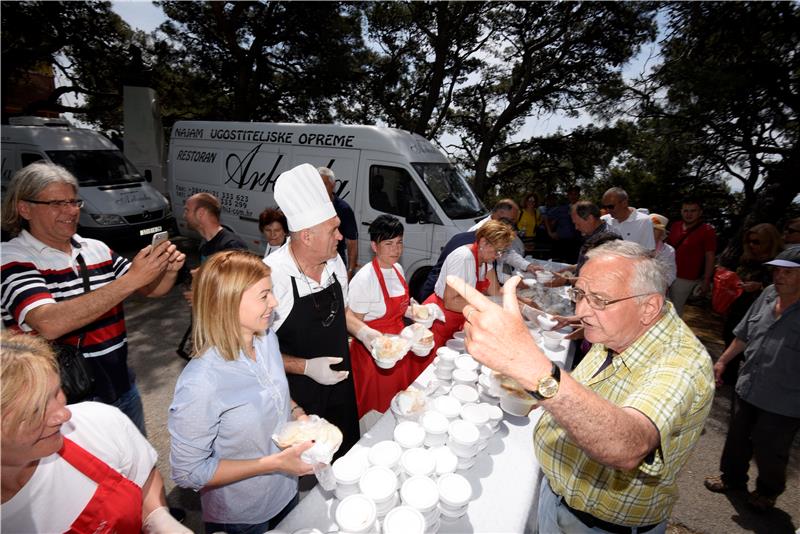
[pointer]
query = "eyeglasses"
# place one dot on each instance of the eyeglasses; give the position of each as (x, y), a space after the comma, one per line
(72, 203)
(598, 303)
(326, 322)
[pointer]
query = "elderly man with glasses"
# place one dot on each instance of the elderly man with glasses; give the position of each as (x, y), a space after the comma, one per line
(616, 431)
(44, 289)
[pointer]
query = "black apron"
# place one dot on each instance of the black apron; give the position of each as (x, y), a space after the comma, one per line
(303, 335)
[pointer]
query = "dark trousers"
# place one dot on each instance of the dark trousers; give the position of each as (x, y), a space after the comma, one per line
(764, 436)
(242, 528)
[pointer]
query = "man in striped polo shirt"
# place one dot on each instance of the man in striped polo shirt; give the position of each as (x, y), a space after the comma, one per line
(42, 286)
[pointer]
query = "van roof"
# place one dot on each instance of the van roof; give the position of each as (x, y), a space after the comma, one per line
(340, 136)
(57, 138)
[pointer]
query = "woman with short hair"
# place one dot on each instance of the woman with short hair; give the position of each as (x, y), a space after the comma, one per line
(274, 227)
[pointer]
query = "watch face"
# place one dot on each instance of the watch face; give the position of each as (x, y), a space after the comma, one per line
(548, 387)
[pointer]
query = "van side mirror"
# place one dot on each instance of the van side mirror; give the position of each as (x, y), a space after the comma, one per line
(148, 175)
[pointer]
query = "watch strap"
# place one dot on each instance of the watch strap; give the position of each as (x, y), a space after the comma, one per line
(555, 372)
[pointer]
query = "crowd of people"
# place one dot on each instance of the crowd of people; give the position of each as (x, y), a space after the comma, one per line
(279, 337)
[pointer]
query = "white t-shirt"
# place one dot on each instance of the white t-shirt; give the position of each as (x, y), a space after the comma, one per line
(57, 493)
(461, 263)
(637, 227)
(667, 254)
(365, 295)
(284, 269)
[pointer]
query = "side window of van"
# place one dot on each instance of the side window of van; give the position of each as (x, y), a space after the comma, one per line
(392, 190)
(30, 157)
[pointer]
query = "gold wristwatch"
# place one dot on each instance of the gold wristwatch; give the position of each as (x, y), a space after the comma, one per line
(548, 385)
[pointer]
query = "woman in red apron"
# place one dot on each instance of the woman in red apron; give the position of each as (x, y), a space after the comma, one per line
(44, 476)
(378, 295)
(473, 264)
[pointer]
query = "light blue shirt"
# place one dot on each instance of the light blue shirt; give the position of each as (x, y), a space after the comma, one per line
(229, 410)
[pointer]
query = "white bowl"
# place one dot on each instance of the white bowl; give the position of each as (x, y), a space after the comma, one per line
(464, 394)
(447, 354)
(463, 433)
(465, 361)
(404, 520)
(460, 335)
(356, 514)
(386, 507)
(516, 405)
(343, 491)
(379, 484)
(456, 345)
(434, 422)
(385, 454)
(448, 406)
(552, 340)
(420, 493)
(465, 462)
(409, 434)
(494, 413)
(427, 323)
(446, 460)
(421, 349)
(546, 321)
(475, 414)
(348, 471)
(465, 377)
(418, 462)
(443, 373)
(544, 277)
(450, 514)
(455, 491)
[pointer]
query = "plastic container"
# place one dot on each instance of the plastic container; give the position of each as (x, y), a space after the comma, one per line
(460, 335)
(546, 322)
(357, 514)
(552, 340)
(347, 472)
(465, 463)
(475, 414)
(409, 434)
(446, 460)
(420, 493)
(379, 484)
(463, 438)
(418, 462)
(435, 425)
(494, 414)
(448, 406)
(464, 394)
(455, 491)
(404, 520)
(447, 357)
(422, 349)
(516, 404)
(465, 377)
(465, 361)
(457, 345)
(386, 454)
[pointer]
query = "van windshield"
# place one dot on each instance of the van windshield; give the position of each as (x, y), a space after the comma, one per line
(97, 167)
(451, 190)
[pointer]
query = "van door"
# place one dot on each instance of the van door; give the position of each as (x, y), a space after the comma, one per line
(393, 190)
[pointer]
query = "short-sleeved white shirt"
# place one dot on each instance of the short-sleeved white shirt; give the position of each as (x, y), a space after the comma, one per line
(57, 493)
(637, 228)
(461, 263)
(284, 269)
(365, 295)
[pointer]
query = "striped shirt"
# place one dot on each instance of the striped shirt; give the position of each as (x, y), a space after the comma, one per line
(34, 274)
(667, 375)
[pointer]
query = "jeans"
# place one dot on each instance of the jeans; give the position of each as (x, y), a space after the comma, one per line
(759, 434)
(130, 403)
(554, 517)
(260, 528)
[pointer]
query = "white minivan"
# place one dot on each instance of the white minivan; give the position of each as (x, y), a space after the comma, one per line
(378, 170)
(119, 203)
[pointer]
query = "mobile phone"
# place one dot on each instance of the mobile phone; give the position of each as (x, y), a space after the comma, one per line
(159, 238)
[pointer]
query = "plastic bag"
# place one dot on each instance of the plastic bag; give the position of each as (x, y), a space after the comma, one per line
(327, 436)
(727, 288)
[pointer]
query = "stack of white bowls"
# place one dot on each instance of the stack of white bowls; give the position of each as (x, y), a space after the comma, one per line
(457, 345)
(445, 363)
(485, 391)
(455, 491)
(466, 371)
(446, 460)
(357, 514)
(386, 454)
(464, 394)
(494, 413)
(435, 425)
(448, 406)
(409, 434)
(422, 494)
(460, 335)
(463, 439)
(380, 484)
(417, 462)
(480, 418)
(404, 520)
(347, 471)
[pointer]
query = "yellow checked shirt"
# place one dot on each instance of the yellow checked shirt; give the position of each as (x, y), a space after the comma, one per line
(667, 375)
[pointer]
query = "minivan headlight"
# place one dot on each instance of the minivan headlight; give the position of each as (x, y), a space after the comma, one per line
(107, 219)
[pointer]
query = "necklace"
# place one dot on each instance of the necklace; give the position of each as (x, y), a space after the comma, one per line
(334, 308)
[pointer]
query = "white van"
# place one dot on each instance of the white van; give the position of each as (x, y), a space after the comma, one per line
(378, 170)
(119, 203)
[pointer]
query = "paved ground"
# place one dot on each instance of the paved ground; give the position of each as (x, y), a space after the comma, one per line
(156, 326)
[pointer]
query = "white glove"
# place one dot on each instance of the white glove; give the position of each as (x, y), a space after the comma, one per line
(435, 311)
(367, 335)
(411, 304)
(159, 521)
(319, 369)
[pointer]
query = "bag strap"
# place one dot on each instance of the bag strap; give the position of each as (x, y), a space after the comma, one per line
(686, 234)
(86, 284)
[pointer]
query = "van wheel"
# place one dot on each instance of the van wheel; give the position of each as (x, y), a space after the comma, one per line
(417, 279)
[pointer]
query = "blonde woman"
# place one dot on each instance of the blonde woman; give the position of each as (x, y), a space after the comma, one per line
(82, 468)
(229, 400)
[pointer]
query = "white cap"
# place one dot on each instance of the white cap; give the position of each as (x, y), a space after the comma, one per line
(302, 197)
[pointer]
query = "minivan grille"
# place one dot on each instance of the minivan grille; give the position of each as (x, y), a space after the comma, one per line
(144, 217)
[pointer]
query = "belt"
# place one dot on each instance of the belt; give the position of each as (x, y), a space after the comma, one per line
(593, 522)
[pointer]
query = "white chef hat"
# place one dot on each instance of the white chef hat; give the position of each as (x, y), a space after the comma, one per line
(302, 197)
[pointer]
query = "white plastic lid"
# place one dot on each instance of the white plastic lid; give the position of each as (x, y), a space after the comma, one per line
(378, 483)
(356, 513)
(465, 361)
(404, 520)
(494, 413)
(465, 394)
(456, 344)
(348, 470)
(446, 353)
(409, 434)
(463, 432)
(446, 460)
(434, 422)
(454, 489)
(420, 492)
(465, 375)
(474, 414)
(385, 453)
(447, 406)
(418, 461)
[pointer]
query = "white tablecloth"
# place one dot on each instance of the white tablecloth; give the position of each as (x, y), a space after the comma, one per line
(505, 478)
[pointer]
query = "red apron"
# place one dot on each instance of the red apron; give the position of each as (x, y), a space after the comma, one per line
(374, 386)
(454, 321)
(116, 505)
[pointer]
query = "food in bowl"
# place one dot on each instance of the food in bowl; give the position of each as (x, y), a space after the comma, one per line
(389, 347)
(410, 401)
(420, 312)
(423, 335)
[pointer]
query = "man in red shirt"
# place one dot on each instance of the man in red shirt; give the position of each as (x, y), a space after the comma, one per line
(695, 244)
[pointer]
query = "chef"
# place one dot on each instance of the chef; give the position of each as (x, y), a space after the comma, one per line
(309, 280)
